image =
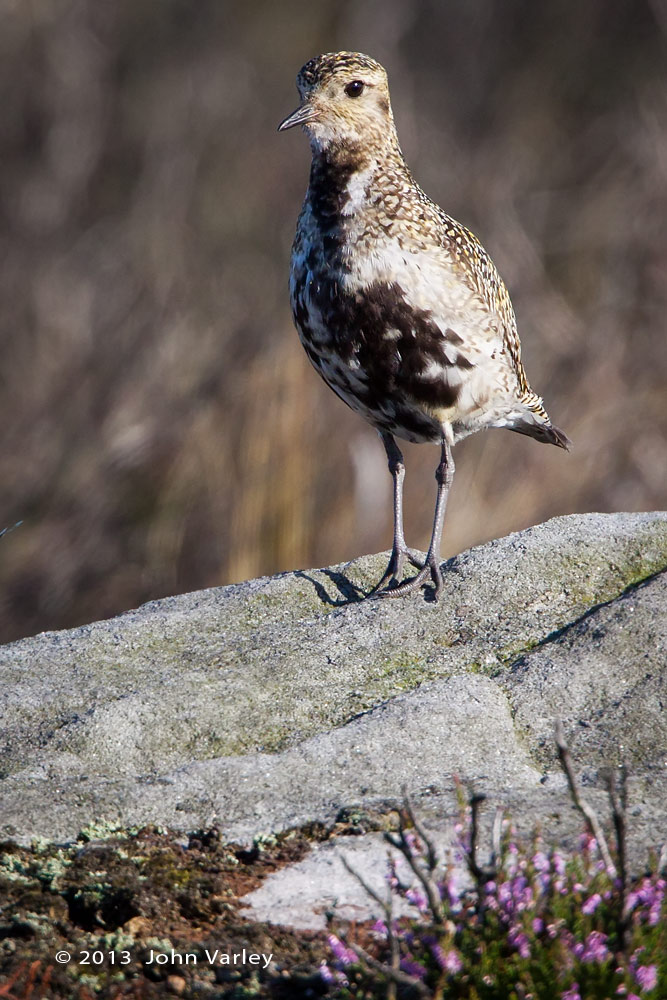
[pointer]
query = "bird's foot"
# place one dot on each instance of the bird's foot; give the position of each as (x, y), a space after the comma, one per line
(431, 569)
(391, 577)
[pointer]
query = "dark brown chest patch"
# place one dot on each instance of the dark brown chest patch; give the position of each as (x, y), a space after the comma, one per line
(375, 348)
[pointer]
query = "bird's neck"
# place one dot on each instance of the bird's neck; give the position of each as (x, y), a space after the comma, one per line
(343, 178)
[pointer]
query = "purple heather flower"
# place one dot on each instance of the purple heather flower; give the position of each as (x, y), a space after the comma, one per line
(453, 963)
(524, 893)
(450, 887)
(326, 973)
(558, 861)
(544, 881)
(572, 993)
(538, 925)
(540, 861)
(587, 842)
(462, 832)
(595, 949)
(504, 894)
(418, 899)
(413, 842)
(437, 952)
(647, 977)
(413, 968)
(651, 896)
(342, 954)
(591, 904)
(519, 940)
(447, 960)
(379, 927)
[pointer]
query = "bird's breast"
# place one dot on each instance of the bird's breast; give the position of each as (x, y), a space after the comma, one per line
(395, 328)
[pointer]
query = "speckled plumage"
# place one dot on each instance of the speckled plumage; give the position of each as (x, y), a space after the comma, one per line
(398, 306)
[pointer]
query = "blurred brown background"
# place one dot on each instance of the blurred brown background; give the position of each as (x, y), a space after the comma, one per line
(161, 428)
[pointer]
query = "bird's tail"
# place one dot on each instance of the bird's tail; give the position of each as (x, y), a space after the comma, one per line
(544, 432)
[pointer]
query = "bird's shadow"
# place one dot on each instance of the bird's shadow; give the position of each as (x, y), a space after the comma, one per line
(349, 592)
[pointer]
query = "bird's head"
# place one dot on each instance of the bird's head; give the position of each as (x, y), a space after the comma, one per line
(344, 100)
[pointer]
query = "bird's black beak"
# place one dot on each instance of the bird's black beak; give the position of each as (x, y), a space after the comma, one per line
(306, 113)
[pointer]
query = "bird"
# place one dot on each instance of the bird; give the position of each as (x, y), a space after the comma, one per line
(399, 307)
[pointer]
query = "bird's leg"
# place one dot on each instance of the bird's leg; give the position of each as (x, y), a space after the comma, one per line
(444, 475)
(399, 550)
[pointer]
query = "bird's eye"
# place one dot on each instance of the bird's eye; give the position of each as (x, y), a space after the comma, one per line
(355, 88)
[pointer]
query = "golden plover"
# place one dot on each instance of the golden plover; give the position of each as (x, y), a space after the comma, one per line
(398, 306)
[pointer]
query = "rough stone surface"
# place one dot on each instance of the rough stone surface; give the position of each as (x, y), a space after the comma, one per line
(302, 895)
(606, 678)
(276, 702)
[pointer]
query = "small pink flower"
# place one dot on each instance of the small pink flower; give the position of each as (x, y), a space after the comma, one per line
(519, 940)
(452, 963)
(591, 904)
(540, 861)
(504, 895)
(326, 973)
(588, 842)
(451, 888)
(647, 977)
(417, 899)
(413, 842)
(558, 861)
(343, 954)
(392, 876)
(572, 993)
(595, 949)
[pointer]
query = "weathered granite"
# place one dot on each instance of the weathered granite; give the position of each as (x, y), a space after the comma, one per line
(275, 702)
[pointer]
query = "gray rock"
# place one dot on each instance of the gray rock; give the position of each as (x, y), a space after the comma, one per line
(275, 702)
(329, 881)
(605, 677)
(301, 895)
